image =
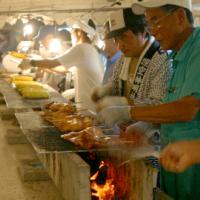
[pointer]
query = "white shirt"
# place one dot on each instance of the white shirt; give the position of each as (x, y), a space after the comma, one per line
(89, 72)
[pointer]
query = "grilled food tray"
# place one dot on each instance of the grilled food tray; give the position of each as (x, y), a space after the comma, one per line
(47, 140)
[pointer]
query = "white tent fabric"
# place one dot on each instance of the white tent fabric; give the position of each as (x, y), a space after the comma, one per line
(59, 10)
(10, 5)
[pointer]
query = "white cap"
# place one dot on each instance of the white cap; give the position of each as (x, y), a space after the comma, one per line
(121, 20)
(84, 27)
(117, 20)
(139, 6)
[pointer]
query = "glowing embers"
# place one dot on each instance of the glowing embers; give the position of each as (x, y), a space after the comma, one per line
(110, 183)
(102, 182)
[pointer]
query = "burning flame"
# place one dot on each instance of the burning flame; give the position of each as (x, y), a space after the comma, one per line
(104, 192)
(103, 186)
(111, 181)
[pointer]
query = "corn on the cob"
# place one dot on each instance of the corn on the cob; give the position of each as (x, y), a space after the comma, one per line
(21, 84)
(36, 93)
(21, 78)
(31, 87)
(18, 55)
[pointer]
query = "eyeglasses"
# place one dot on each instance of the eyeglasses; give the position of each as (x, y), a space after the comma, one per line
(155, 23)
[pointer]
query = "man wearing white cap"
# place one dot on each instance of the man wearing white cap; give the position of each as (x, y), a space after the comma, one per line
(146, 69)
(171, 22)
(85, 59)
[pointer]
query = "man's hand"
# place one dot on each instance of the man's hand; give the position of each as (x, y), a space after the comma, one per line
(99, 92)
(25, 64)
(115, 115)
(111, 101)
(179, 156)
(136, 132)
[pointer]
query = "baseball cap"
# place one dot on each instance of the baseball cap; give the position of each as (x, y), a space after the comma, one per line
(88, 27)
(122, 20)
(139, 6)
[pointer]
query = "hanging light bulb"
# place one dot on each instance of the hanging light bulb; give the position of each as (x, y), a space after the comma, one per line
(55, 45)
(28, 29)
(100, 43)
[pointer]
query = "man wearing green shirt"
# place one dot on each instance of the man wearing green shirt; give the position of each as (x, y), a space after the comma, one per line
(171, 22)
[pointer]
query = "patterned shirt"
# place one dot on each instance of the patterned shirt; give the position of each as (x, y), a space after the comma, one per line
(156, 73)
(151, 77)
(114, 80)
(152, 74)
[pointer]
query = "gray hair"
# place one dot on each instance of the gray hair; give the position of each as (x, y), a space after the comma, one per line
(170, 7)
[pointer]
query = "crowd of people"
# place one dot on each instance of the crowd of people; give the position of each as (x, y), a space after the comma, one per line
(146, 76)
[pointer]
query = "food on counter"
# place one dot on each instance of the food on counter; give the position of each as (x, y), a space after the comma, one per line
(21, 78)
(35, 93)
(75, 124)
(19, 83)
(31, 89)
(23, 85)
(54, 116)
(70, 135)
(93, 137)
(88, 138)
(66, 108)
(18, 55)
(65, 118)
(68, 123)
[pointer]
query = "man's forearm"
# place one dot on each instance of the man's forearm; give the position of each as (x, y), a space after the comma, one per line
(182, 110)
(45, 63)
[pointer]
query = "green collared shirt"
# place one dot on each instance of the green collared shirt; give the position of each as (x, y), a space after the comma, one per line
(185, 82)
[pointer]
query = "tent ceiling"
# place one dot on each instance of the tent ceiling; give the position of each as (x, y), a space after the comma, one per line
(62, 9)
(27, 5)
(10, 5)
(30, 5)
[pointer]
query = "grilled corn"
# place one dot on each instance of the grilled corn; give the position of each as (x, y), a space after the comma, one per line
(35, 93)
(21, 78)
(18, 55)
(19, 84)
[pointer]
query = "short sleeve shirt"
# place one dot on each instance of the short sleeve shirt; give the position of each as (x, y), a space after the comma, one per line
(88, 72)
(185, 81)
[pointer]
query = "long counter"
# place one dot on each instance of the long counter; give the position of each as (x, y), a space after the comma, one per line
(70, 173)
